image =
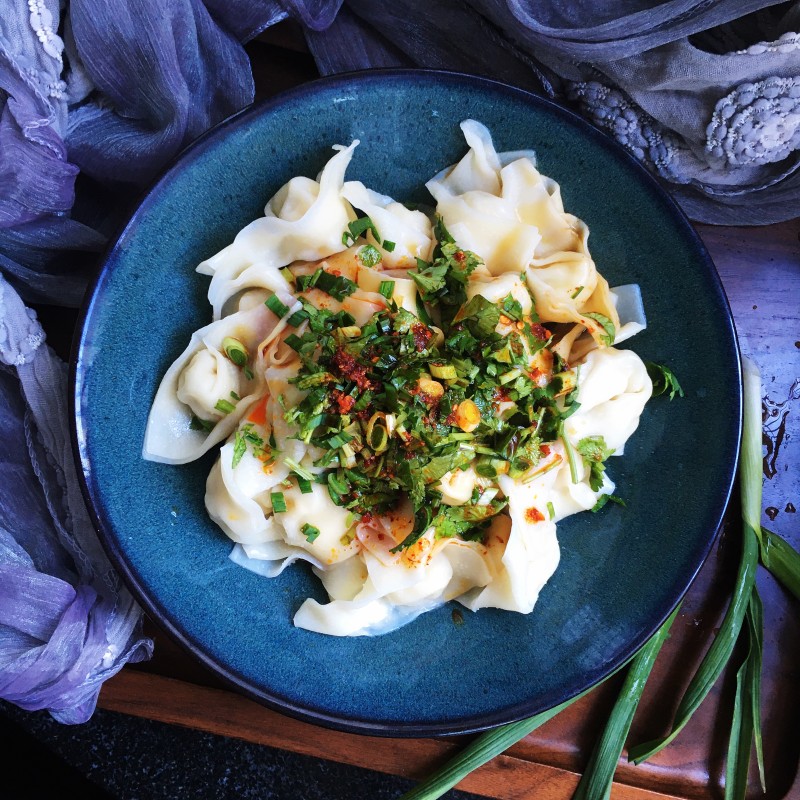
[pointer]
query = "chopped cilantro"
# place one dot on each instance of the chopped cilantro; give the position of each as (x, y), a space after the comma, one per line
(605, 498)
(609, 331)
(664, 380)
(594, 452)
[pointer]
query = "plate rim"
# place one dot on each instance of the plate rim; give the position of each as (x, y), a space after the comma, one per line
(77, 376)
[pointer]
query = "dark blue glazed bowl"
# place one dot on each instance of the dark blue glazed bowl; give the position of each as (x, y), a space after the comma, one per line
(622, 571)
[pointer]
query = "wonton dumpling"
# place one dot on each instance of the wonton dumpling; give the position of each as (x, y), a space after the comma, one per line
(305, 221)
(410, 230)
(523, 548)
(237, 497)
(189, 385)
(613, 387)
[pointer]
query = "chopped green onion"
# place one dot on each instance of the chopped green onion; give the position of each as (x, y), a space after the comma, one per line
(551, 510)
(294, 341)
(225, 406)
(386, 289)
(570, 450)
(248, 373)
(369, 256)
(576, 292)
(274, 304)
(297, 469)
(388, 246)
(310, 532)
(358, 227)
(239, 449)
(198, 424)
(235, 396)
(235, 351)
(445, 372)
(304, 485)
(278, 502)
(298, 318)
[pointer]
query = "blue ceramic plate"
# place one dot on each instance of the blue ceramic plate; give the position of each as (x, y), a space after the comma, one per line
(622, 571)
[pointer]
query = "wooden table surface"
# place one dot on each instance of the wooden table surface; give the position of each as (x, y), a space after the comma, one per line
(760, 269)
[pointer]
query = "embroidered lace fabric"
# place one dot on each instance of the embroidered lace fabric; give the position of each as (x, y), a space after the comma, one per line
(705, 94)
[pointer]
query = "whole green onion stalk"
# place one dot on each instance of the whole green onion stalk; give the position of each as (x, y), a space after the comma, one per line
(743, 623)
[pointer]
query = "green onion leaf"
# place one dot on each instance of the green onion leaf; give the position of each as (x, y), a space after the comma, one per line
(746, 723)
(599, 773)
(577, 292)
(551, 510)
(386, 289)
(198, 424)
(310, 532)
(303, 484)
(722, 647)
(299, 317)
(358, 227)
(782, 560)
(369, 256)
(225, 406)
(274, 304)
(389, 246)
(479, 752)
(278, 502)
(235, 351)
(239, 448)
(248, 373)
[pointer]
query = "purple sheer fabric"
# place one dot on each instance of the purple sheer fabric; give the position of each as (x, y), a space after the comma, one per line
(95, 98)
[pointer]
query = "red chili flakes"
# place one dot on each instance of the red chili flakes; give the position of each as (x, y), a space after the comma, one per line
(344, 402)
(460, 256)
(544, 449)
(533, 515)
(349, 368)
(500, 394)
(540, 332)
(422, 335)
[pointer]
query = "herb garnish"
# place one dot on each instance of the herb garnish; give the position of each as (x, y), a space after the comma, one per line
(397, 404)
(664, 380)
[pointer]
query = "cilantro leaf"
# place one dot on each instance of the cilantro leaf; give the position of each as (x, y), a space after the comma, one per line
(664, 380)
(609, 330)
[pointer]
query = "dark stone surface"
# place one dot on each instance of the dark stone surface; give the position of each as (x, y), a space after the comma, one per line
(118, 757)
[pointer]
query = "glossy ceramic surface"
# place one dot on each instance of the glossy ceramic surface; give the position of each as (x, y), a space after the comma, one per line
(622, 571)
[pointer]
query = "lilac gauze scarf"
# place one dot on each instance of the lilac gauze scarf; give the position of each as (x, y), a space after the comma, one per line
(93, 102)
